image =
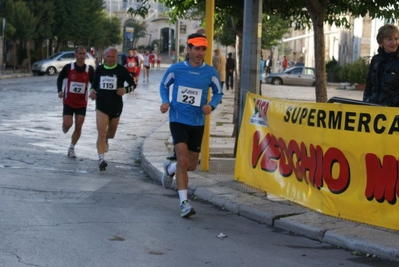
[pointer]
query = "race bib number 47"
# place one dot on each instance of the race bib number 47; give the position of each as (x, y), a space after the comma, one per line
(191, 96)
(77, 88)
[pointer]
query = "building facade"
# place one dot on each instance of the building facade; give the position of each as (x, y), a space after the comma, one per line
(344, 45)
(158, 27)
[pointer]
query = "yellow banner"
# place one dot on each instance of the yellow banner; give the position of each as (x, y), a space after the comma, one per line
(338, 159)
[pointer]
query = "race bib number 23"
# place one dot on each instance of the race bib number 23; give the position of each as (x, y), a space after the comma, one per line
(191, 96)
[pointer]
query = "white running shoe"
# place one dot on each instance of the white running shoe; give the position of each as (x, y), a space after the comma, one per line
(71, 153)
(186, 210)
(167, 178)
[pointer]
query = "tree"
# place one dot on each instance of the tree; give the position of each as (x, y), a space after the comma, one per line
(314, 13)
(77, 21)
(139, 32)
(273, 30)
(22, 19)
(43, 11)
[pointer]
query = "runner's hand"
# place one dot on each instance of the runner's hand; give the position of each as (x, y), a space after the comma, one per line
(61, 94)
(93, 95)
(120, 91)
(164, 107)
(207, 109)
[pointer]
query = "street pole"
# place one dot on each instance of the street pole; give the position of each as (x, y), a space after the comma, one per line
(2, 46)
(209, 21)
(252, 33)
(177, 40)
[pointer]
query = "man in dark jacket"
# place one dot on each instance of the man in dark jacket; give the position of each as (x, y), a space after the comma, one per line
(230, 67)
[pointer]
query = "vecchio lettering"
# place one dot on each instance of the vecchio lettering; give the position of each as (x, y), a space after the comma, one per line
(310, 164)
(382, 179)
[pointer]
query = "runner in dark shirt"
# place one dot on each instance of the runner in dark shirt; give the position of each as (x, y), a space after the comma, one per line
(108, 89)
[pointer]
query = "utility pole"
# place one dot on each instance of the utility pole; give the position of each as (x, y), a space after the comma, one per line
(2, 50)
(205, 146)
(177, 40)
(252, 33)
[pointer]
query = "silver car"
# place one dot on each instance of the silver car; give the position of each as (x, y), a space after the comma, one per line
(298, 75)
(56, 62)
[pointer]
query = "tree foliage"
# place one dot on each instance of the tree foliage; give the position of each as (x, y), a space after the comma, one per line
(78, 21)
(139, 30)
(23, 21)
(273, 30)
(300, 14)
(314, 13)
(43, 11)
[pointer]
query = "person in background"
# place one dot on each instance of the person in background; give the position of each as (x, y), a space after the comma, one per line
(268, 64)
(139, 58)
(76, 76)
(284, 63)
(173, 56)
(159, 60)
(152, 58)
(382, 83)
(93, 53)
(219, 63)
(230, 67)
(146, 66)
(108, 89)
(190, 81)
(261, 72)
(131, 63)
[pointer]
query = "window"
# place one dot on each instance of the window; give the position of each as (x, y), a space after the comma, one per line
(183, 29)
(309, 71)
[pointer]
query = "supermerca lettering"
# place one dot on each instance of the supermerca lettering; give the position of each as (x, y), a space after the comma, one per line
(342, 120)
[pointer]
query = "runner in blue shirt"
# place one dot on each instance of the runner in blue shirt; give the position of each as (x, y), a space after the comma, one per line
(187, 108)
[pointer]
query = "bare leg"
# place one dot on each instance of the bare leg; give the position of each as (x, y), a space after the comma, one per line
(79, 120)
(186, 161)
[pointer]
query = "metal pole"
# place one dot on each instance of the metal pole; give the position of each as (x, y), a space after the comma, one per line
(177, 40)
(2, 44)
(209, 21)
(252, 34)
(170, 41)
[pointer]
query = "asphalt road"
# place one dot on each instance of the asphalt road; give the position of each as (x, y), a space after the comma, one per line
(57, 211)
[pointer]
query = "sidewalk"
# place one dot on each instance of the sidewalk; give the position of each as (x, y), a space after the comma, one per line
(218, 186)
(8, 73)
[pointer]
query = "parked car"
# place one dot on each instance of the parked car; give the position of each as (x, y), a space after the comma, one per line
(298, 75)
(56, 62)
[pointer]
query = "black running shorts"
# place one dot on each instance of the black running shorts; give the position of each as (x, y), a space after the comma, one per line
(190, 135)
(70, 111)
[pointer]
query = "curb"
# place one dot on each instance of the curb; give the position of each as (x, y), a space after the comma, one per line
(370, 240)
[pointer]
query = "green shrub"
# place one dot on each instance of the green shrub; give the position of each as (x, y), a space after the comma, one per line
(355, 72)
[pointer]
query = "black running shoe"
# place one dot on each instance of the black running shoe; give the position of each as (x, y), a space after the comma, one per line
(102, 165)
(173, 157)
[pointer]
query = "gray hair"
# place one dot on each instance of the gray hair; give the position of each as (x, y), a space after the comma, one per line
(109, 49)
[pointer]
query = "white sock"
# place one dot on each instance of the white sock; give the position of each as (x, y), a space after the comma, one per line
(72, 146)
(172, 168)
(182, 195)
(100, 157)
